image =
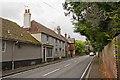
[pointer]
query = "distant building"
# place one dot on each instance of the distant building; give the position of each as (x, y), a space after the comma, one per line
(70, 46)
(53, 44)
(19, 48)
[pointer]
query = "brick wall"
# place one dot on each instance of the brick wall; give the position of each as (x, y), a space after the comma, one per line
(118, 56)
(109, 60)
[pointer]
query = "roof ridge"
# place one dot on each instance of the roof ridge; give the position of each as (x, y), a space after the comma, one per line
(16, 32)
(46, 30)
(43, 25)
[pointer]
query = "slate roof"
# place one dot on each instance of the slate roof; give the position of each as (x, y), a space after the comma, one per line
(39, 28)
(12, 31)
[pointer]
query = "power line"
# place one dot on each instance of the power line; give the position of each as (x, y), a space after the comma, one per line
(51, 6)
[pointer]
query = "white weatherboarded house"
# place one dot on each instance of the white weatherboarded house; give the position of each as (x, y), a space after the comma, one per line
(53, 44)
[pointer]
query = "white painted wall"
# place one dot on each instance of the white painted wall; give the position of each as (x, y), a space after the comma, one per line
(57, 45)
(27, 51)
(27, 20)
(52, 41)
(37, 36)
(7, 55)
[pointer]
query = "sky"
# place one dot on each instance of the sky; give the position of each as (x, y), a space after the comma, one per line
(47, 12)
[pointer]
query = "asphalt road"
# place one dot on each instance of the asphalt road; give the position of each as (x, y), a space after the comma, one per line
(72, 68)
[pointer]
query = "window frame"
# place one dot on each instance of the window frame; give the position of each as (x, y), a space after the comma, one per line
(47, 38)
(4, 46)
(56, 40)
(49, 52)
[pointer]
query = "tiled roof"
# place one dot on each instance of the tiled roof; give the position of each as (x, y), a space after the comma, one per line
(12, 31)
(39, 28)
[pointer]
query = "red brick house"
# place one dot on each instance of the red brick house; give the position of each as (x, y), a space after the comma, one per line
(70, 47)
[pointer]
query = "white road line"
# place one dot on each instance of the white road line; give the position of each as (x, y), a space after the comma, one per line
(67, 65)
(86, 69)
(51, 72)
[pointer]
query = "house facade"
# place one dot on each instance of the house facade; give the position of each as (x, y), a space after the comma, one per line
(52, 44)
(19, 48)
(71, 46)
(31, 44)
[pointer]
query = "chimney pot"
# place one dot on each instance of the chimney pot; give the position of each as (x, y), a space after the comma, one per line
(69, 36)
(28, 10)
(25, 10)
(65, 35)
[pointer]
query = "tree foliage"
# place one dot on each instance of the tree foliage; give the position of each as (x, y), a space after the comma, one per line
(79, 47)
(98, 21)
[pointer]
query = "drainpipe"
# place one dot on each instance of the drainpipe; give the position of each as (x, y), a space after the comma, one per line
(13, 51)
(45, 54)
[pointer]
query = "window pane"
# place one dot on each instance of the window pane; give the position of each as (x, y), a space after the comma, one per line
(3, 46)
(47, 37)
(49, 52)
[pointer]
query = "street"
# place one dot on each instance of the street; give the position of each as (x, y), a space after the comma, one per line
(72, 68)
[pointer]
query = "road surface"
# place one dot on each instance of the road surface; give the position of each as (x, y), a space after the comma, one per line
(72, 68)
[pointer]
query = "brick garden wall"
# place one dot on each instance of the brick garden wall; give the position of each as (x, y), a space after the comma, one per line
(108, 58)
(118, 56)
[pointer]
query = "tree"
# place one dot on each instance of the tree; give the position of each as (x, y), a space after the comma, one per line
(98, 21)
(79, 47)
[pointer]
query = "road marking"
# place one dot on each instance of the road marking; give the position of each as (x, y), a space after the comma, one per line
(86, 69)
(67, 65)
(51, 72)
(87, 76)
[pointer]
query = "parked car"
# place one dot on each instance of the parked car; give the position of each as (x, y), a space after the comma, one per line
(91, 54)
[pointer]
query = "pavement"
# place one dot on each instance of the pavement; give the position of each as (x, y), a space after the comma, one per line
(71, 68)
